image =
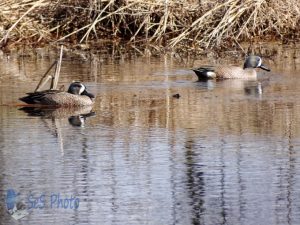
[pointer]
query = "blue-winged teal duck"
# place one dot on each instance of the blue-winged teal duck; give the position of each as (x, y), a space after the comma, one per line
(77, 95)
(232, 72)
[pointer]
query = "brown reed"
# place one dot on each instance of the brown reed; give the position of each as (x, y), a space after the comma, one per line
(163, 23)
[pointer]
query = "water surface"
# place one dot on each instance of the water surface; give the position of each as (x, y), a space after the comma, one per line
(223, 153)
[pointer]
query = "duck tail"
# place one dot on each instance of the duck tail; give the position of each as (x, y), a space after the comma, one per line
(205, 73)
(27, 100)
(32, 98)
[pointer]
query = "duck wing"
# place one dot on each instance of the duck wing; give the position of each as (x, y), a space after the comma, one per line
(40, 97)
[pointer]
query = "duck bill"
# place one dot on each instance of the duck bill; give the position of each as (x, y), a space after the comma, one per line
(264, 68)
(88, 94)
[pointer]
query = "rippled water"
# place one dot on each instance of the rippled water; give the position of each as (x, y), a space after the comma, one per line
(225, 152)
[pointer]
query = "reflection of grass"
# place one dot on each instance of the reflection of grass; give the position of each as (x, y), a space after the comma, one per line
(171, 23)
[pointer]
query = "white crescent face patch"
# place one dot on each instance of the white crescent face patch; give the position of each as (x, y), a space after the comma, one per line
(259, 62)
(211, 74)
(81, 89)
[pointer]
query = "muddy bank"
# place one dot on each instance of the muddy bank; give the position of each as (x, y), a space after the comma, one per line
(180, 25)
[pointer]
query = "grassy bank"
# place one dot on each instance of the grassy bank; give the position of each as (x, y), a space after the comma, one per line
(179, 24)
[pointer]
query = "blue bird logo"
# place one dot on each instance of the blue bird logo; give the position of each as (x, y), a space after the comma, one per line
(11, 199)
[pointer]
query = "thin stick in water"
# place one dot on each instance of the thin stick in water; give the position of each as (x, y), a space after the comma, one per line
(57, 71)
(39, 84)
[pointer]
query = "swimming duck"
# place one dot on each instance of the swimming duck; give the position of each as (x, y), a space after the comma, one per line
(76, 95)
(232, 72)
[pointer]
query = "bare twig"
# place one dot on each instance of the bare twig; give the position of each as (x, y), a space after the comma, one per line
(40, 85)
(57, 70)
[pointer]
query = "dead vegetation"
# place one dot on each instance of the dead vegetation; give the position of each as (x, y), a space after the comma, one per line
(163, 23)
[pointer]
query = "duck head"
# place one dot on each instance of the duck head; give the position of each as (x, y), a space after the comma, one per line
(254, 61)
(77, 88)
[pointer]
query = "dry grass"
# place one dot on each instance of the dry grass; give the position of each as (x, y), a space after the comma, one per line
(163, 23)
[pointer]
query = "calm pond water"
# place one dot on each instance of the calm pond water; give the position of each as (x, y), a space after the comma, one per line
(225, 152)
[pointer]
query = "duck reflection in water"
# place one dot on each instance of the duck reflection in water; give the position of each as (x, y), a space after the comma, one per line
(254, 90)
(76, 115)
(79, 121)
(249, 88)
